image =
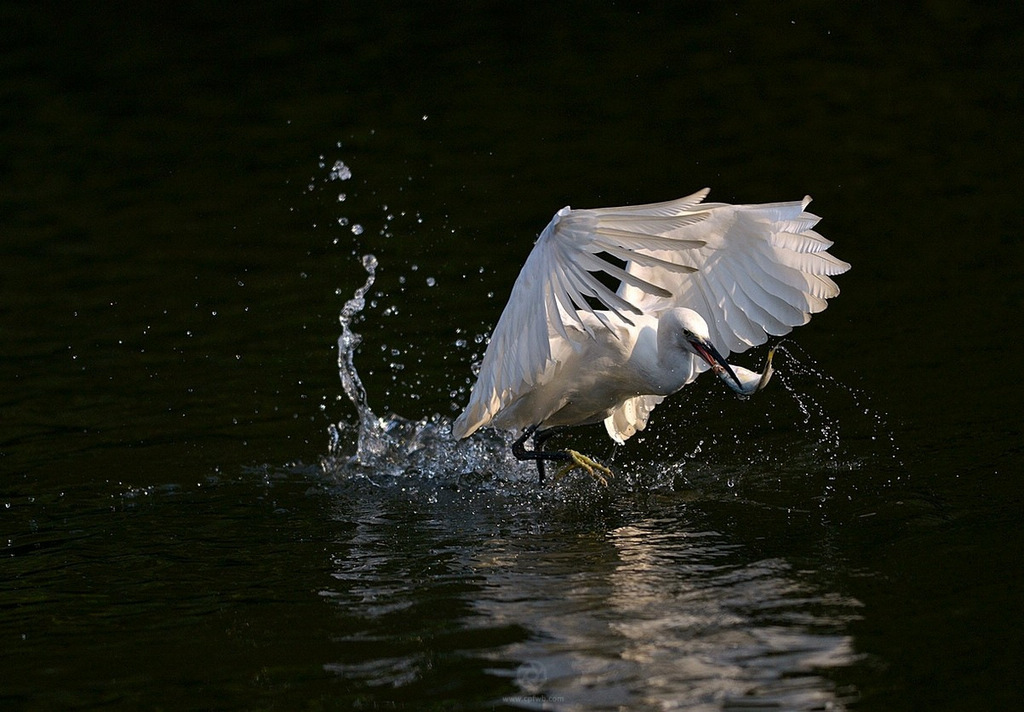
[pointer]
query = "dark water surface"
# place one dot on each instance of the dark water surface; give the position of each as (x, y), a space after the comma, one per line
(187, 192)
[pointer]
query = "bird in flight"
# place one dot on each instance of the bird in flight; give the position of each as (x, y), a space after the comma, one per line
(617, 308)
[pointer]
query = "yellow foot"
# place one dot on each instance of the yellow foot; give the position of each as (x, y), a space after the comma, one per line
(578, 461)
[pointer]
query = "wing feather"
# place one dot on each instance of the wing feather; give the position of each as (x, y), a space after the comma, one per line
(647, 260)
(594, 263)
(647, 241)
(630, 417)
(771, 302)
(669, 207)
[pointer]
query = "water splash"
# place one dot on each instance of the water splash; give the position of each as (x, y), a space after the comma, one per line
(350, 381)
(394, 446)
(835, 424)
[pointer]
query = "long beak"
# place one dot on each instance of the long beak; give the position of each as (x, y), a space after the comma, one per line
(717, 362)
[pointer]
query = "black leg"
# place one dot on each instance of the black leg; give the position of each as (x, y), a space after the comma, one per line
(538, 455)
(542, 436)
(539, 438)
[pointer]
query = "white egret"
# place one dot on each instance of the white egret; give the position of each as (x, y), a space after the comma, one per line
(695, 282)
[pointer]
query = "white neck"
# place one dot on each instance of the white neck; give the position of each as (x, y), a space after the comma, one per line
(674, 364)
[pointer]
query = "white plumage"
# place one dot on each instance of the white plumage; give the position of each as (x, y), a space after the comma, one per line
(569, 350)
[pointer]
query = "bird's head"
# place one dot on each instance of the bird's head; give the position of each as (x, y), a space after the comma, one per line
(696, 339)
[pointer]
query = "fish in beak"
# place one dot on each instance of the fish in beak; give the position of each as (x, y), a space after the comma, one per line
(741, 380)
(707, 351)
(752, 381)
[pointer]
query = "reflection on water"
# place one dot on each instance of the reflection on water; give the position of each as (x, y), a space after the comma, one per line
(656, 613)
(704, 623)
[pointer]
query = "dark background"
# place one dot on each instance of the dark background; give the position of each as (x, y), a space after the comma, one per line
(174, 255)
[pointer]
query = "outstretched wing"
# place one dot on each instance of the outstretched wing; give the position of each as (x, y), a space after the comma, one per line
(761, 271)
(749, 270)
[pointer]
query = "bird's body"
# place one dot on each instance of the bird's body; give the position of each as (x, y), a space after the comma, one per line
(591, 376)
(693, 279)
(595, 375)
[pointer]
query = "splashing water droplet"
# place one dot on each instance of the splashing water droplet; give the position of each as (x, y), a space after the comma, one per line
(339, 171)
(818, 395)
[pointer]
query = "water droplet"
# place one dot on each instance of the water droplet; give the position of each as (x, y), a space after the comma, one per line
(340, 171)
